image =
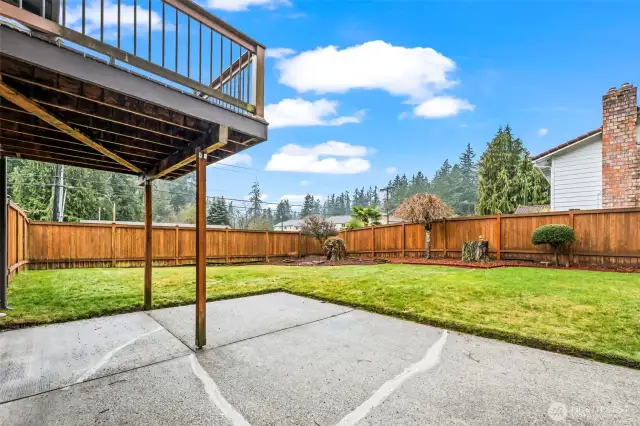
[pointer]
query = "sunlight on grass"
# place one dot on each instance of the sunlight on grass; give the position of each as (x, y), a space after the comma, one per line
(597, 312)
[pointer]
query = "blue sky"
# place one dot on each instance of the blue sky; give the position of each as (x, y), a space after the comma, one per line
(389, 102)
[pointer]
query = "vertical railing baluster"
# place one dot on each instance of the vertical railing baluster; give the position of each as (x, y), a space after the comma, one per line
(177, 26)
(64, 12)
(44, 6)
(102, 20)
(210, 55)
(188, 46)
(163, 34)
(230, 66)
(249, 78)
(200, 55)
(149, 30)
(84, 8)
(19, 4)
(118, 24)
(240, 76)
(221, 88)
(135, 27)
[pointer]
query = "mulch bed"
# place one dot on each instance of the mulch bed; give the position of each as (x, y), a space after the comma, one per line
(322, 261)
(509, 263)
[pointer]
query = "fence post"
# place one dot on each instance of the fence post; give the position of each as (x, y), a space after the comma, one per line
(445, 238)
(298, 243)
(498, 236)
(403, 239)
(373, 241)
(177, 245)
(113, 245)
(226, 245)
(572, 225)
(266, 246)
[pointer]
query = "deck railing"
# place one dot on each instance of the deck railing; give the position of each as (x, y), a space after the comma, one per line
(174, 40)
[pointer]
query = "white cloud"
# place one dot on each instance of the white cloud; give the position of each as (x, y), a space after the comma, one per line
(413, 72)
(321, 158)
(304, 182)
(334, 148)
(238, 159)
(403, 115)
(242, 5)
(420, 74)
(298, 112)
(391, 170)
(279, 52)
(543, 132)
(442, 106)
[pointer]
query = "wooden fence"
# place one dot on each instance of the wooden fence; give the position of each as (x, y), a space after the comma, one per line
(72, 245)
(17, 240)
(603, 237)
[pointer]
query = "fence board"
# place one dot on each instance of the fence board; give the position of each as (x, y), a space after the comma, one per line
(17, 243)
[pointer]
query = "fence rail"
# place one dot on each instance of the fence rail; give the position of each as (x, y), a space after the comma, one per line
(174, 40)
(603, 237)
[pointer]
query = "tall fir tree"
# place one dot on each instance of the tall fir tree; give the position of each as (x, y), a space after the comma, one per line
(255, 201)
(506, 177)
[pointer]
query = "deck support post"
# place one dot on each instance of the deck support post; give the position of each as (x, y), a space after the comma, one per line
(4, 252)
(201, 249)
(148, 244)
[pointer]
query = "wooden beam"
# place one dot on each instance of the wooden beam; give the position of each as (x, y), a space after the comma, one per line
(187, 155)
(148, 244)
(119, 122)
(97, 101)
(22, 101)
(201, 249)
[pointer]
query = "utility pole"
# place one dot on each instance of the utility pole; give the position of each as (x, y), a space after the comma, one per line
(58, 194)
(386, 201)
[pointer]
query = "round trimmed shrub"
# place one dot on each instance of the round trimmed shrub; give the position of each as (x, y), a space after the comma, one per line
(554, 235)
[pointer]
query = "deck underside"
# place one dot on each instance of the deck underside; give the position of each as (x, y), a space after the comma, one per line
(142, 121)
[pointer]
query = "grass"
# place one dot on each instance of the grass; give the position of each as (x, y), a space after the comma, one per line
(592, 314)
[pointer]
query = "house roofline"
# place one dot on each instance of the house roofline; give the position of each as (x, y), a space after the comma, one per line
(567, 144)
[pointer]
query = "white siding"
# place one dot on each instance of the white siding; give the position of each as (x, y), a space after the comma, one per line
(576, 177)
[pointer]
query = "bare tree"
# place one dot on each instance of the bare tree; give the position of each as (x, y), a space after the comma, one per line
(318, 227)
(425, 209)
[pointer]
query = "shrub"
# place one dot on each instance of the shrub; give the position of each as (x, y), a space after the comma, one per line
(318, 227)
(335, 249)
(353, 223)
(556, 236)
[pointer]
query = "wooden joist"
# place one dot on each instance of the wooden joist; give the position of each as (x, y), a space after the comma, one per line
(22, 101)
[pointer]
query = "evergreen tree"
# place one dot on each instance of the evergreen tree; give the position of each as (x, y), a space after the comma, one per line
(283, 212)
(506, 177)
(255, 201)
(308, 206)
(217, 213)
(466, 186)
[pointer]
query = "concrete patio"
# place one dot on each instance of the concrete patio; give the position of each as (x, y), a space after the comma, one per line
(283, 359)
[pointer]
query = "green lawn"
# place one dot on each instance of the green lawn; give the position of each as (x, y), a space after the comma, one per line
(595, 314)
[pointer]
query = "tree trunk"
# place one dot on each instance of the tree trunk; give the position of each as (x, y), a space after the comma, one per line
(427, 254)
(555, 256)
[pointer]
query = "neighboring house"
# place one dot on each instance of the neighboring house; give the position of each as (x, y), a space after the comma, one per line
(181, 225)
(339, 221)
(600, 169)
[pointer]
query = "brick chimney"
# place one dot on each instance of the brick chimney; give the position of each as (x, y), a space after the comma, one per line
(620, 151)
